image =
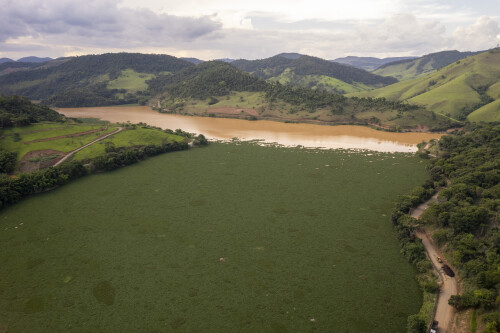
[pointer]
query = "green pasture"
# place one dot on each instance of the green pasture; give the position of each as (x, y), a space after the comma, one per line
(131, 81)
(488, 113)
(452, 88)
(16, 139)
(129, 137)
(228, 238)
(313, 81)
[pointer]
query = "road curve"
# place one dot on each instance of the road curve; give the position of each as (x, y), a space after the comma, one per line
(444, 312)
(71, 153)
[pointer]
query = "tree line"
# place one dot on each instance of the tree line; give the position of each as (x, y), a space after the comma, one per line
(465, 216)
(12, 190)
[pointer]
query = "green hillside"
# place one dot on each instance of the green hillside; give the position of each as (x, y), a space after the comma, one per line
(216, 88)
(407, 69)
(312, 72)
(90, 80)
(457, 90)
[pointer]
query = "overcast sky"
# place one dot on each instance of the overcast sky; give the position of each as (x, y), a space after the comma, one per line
(249, 29)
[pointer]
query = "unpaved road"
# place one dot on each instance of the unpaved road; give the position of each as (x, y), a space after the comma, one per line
(444, 311)
(119, 129)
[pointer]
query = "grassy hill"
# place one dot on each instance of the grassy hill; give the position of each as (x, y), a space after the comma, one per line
(468, 88)
(312, 72)
(88, 80)
(407, 69)
(218, 89)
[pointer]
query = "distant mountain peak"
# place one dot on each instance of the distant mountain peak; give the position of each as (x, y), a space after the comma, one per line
(291, 55)
(33, 59)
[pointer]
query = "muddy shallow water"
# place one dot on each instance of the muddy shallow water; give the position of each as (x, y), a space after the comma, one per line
(307, 135)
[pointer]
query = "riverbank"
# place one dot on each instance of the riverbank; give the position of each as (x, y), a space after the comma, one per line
(288, 134)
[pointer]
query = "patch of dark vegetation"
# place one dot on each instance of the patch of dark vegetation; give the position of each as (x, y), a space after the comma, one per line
(19, 111)
(104, 293)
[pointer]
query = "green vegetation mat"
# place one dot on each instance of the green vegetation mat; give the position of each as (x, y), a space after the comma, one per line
(227, 238)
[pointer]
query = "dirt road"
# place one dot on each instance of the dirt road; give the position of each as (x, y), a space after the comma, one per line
(444, 311)
(88, 144)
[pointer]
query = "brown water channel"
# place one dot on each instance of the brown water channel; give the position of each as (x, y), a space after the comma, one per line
(307, 135)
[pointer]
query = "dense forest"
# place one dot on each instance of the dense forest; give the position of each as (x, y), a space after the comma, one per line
(19, 111)
(465, 218)
(211, 78)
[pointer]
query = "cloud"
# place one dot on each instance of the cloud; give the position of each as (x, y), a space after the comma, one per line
(483, 34)
(97, 21)
(64, 27)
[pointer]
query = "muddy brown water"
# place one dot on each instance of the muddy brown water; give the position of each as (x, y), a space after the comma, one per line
(307, 135)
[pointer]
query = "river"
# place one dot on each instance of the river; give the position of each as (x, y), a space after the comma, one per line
(289, 134)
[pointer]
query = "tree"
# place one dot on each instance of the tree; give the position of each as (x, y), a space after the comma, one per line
(416, 324)
(7, 161)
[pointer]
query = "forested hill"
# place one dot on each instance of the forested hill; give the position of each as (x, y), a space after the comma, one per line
(466, 89)
(313, 72)
(91, 80)
(412, 68)
(368, 63)
(211, 78)
(19, 111)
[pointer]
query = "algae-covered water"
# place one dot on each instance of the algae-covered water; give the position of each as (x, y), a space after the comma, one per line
(228, 238)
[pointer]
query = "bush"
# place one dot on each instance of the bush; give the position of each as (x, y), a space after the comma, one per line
(7, 161)
(416, 324)
(440, 237)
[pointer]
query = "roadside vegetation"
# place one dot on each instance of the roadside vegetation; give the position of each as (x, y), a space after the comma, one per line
(463, 223)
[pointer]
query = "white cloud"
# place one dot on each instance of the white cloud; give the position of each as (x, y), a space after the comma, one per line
(483, 34)
(330, 30)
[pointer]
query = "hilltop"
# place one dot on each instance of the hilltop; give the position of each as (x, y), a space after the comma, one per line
(407, 69)
(312, 72)
(467, 89)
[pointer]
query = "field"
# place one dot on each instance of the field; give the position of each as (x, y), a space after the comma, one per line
(41, 145)
(131, 81)
(131, 137)
(228, 238)
(324, 82)
(27, 139)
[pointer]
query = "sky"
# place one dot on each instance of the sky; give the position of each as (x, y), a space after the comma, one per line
(248, 29)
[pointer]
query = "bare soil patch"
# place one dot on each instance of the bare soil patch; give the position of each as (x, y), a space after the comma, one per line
(234, 111)
(66, 136)
(39, 159)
